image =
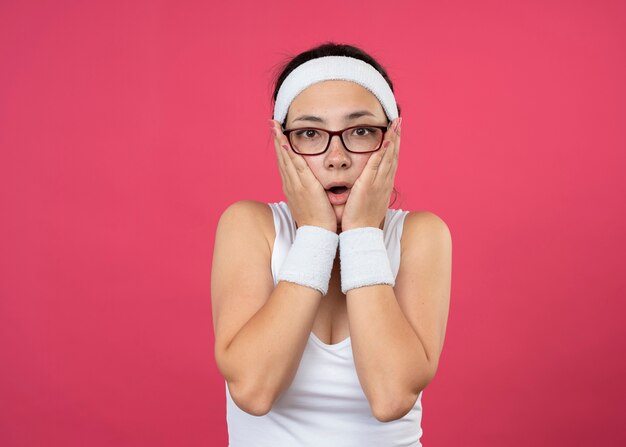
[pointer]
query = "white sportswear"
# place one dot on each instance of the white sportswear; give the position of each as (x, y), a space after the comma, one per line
(325, 405)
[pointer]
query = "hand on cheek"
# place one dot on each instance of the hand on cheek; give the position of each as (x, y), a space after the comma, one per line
(305, 195)
(369, 198)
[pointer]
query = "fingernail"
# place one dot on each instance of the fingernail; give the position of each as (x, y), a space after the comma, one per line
(274, 131)
(285, 147)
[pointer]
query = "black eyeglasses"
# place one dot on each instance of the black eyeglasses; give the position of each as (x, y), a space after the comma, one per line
(360, 139)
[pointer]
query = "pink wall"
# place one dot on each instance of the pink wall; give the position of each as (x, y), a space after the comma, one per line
(126, 127)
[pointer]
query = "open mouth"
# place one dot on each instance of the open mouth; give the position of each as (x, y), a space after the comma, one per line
(338, 195)
(338, 189)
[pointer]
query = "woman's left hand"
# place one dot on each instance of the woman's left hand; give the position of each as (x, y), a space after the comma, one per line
(369, 197)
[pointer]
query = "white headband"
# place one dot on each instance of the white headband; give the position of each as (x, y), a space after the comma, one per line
(334, 68)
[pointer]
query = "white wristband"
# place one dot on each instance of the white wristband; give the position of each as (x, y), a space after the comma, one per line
(363, 257)
(310, 258)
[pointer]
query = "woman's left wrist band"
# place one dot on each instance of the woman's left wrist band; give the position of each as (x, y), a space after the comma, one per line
(363, 259)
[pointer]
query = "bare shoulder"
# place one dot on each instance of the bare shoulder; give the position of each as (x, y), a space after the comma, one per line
(248, 215)
(424, 227)
(249, 209)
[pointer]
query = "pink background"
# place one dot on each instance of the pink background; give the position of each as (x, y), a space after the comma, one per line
(126, 128)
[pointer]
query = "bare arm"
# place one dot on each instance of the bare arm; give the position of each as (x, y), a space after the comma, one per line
(260, 331)
(398, 333)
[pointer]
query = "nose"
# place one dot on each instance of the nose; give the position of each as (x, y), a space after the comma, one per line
(337, 155)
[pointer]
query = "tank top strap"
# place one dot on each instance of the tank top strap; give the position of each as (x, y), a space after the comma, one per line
(392, 234)
(285, 227)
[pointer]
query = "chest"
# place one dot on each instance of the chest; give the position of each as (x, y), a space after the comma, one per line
(331, 322)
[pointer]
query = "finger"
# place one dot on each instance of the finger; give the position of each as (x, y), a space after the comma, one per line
(282, 159)
(393, 167)
(278, 141)
(398, 125)
(296, 165)
(396, 153)
(391, 159)
(298, 162)
(389, 154)
(287, 182)
(280, 156)
(368, 175)
(398, 136)
(302, 169)
(281, 165)
(288, 157)
(385, 162)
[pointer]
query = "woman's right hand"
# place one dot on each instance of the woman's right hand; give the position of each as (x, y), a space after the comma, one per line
(306, 197)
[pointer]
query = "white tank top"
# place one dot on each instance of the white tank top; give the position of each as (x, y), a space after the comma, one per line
(325, 404)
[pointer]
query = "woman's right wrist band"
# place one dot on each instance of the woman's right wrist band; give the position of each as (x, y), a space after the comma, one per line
(310, 258)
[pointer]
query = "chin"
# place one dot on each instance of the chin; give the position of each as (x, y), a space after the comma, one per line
(339, 213)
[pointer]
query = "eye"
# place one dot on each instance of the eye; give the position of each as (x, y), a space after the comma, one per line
(306, 133)
(363, 131)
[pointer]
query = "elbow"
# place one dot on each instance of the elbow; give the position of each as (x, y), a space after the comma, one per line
(393, 409)
(251, 401)
(395, 404)
(243, 392)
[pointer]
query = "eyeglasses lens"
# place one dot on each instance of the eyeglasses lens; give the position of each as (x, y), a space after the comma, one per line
(356, 139)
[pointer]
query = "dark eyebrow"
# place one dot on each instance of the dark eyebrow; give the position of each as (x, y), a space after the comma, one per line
(349, 117)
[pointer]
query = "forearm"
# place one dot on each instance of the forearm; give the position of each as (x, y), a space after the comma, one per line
(263, 357)
(389, 357)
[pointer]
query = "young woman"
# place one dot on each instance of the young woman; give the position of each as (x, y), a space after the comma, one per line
(330, 309)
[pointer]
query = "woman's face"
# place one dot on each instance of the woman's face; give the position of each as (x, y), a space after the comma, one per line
(328, 105)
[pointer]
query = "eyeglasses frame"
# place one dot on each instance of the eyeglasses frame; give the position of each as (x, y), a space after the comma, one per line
(332, 133)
